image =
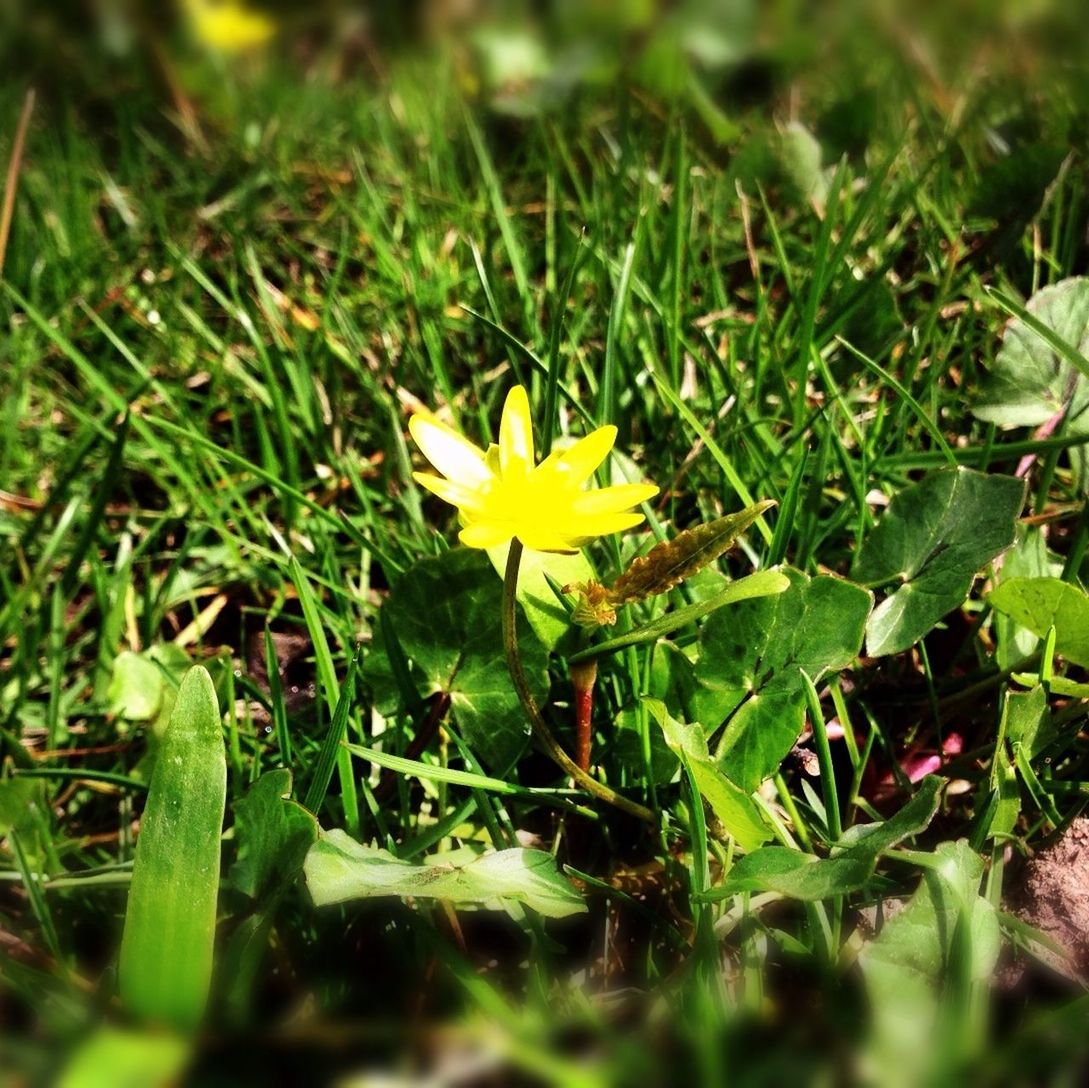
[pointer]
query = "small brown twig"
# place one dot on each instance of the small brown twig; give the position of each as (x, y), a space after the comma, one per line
(7, 211)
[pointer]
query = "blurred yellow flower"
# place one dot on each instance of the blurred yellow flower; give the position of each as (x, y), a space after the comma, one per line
(502, 494)
(228, 25)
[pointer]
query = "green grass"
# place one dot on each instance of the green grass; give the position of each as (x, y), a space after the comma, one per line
(208, 355)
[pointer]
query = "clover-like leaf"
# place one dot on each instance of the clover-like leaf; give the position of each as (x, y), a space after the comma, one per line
(338, 869)
(750, 666)
(444, 613)
(933, 540)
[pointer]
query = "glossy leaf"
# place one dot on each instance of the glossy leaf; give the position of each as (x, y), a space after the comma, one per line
(445, 612)
(932, 541)
(170, 921)
(749, 670)
(339, 869)
(1039, 604)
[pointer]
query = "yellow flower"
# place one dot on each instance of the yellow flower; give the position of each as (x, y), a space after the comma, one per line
(228, 25)
(502, 494)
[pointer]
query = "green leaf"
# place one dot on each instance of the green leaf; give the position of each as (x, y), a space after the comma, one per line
(869, 841)
(793, 874)
(1039, 604)
(1028, 558)
(272, 834)
(544, 613)
(765, 583)
(851, 864)
(339, 869)
(140, 687)
(117, 1058)
(170, 921)
(136, 687)
(738, 813)
(445, 612)
(1042, 363)
(934, 538)
(751, 659)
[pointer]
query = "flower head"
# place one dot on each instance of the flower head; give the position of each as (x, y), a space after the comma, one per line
(228, 25)
(502, 494)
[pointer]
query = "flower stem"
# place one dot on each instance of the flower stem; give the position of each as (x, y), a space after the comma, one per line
(529, 703)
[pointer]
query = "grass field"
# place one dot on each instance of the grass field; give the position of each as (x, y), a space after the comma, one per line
(228, 284)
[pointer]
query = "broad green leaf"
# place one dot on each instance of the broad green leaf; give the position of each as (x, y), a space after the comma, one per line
(794, 874)
(946, 929)
(933, 540)
(1028, 558)
(851, 864)
(544, 613)
(170, 920)
(739, 815)
(749, 670)
(272, 834)
(1032, 380)
(117, 1058)
(136, 687)
(446, 615)
(1039, 604)
(869, 841)
(339, 869)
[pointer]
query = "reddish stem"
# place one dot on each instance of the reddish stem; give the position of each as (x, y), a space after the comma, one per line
(583, 677)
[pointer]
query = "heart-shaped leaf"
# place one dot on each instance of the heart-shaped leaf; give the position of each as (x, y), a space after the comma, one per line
(750, 666)
(933, 540)
(445, 614)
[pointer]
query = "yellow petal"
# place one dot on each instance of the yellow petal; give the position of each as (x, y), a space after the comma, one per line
(574, 466)
(454, 456)
(613, 500)
(516, 434)
(544, 540)
(483, 534)
(464, 498)
(600, 525)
